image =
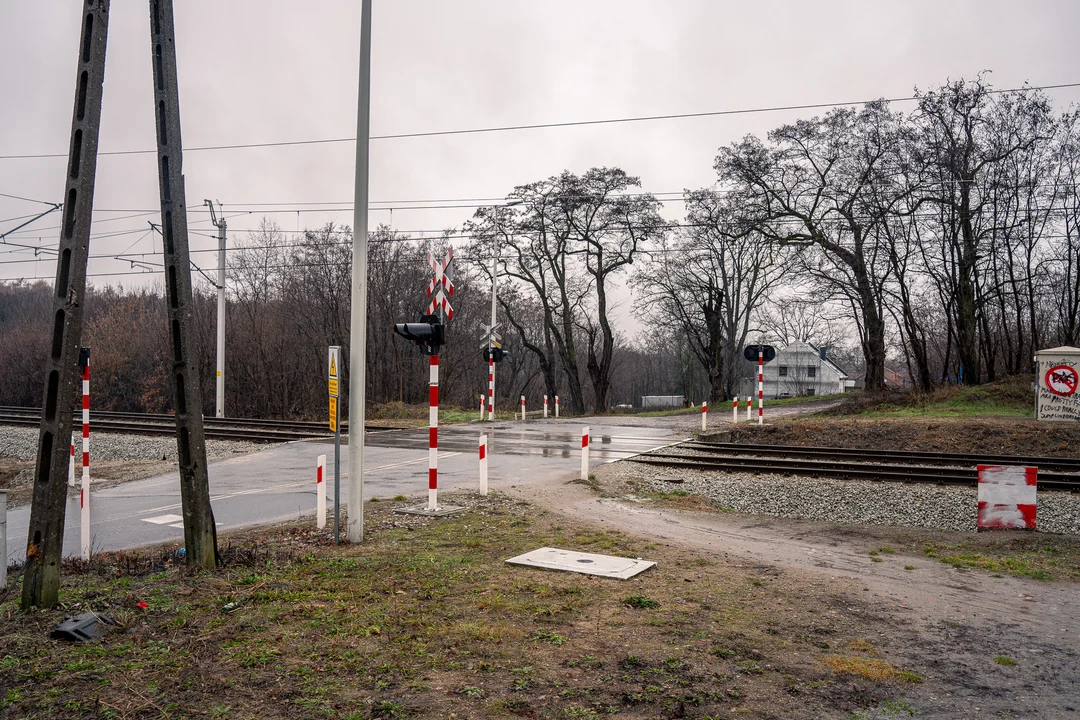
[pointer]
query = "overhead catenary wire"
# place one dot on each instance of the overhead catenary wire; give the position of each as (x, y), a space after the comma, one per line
(534, 126)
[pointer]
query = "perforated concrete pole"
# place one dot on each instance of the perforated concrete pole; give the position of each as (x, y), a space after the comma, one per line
(45, 534)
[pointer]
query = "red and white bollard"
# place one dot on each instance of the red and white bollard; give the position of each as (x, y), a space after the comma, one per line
(749, 408)
(704, 413)
(523, 408)
(84, 493)
(482, 407)
(760, 386)
(491, 389)
(556, 406)
(71, 466)
(433, 434)
(483, 465)
(320, 493)
(545, 406)
(735, 409)
(585, 453)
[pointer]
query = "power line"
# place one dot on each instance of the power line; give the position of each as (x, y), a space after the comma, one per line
(17, 197)
(533, 126)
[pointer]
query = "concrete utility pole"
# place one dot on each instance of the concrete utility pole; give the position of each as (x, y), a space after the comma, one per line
(200, 532)
(220, 225)
(358, 313)
(45, 539)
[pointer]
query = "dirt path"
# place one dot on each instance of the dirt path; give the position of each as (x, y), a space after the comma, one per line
(949, 624)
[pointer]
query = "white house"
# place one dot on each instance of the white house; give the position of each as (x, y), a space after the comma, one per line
(799, 369)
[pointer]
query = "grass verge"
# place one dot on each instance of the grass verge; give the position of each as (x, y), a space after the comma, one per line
(424, 619)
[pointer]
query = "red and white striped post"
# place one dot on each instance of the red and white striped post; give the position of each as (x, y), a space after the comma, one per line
(320, 493)
(523, 408)
(84, 493)
(749, 407)
(704, 413)
(71, 466)
(483, 465)
(433, 435)
(482, 407)
(735, 409)
(760, 385)
(491, 389)
(556, 406)
(585, 453)
(545, 406)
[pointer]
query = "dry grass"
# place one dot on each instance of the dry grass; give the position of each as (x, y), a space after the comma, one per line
(869, 669)
(424, 619)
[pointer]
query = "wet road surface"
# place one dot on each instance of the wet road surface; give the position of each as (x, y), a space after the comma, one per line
(278, 484)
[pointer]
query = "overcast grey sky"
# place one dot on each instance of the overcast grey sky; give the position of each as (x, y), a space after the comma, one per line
(268, 70)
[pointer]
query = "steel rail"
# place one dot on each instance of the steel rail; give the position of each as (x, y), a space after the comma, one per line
(847, 470)
(903, 456)
(311, 428)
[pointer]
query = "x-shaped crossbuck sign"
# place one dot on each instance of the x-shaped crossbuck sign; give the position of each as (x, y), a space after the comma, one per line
(441, 285)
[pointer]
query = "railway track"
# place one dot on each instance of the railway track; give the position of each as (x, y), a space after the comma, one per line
(882, 465)
(256, 430)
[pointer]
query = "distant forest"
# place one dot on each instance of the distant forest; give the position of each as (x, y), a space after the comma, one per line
(943, 241)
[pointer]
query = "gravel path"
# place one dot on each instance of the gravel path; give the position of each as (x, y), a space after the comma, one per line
(945, 507)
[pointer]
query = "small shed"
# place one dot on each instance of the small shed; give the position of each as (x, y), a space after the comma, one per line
(1058, 372)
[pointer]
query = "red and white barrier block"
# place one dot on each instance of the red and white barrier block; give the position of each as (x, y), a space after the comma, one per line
(1007, 496)
(523, 408)
(483, 465)
(735, 409)
(320, 493)
(704, 413)
(585, 453)
(84, 493)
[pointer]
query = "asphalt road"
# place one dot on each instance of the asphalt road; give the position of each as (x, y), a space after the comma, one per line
(278, 484)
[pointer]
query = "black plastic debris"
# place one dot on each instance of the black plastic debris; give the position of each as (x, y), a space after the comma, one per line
(82, 627)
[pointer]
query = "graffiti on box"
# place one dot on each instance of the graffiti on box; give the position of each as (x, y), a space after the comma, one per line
(1058, 398)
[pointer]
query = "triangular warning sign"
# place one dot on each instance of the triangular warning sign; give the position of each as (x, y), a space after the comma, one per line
(333, 367)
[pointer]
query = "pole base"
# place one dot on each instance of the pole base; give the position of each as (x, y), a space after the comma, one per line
(426, 511)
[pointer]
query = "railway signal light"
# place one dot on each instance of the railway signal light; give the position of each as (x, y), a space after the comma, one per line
(496, 354)
(429, 333)
(768, 352)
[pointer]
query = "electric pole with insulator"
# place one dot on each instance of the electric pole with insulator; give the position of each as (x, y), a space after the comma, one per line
(220, 225)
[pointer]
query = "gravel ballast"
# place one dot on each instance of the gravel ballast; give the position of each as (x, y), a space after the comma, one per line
(941, 507)
(20, 443)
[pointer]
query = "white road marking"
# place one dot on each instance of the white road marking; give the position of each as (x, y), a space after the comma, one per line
(163, 519)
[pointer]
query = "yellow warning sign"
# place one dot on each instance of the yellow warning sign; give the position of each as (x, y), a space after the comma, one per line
(333, 383)
(333, 414)
(333, 364)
